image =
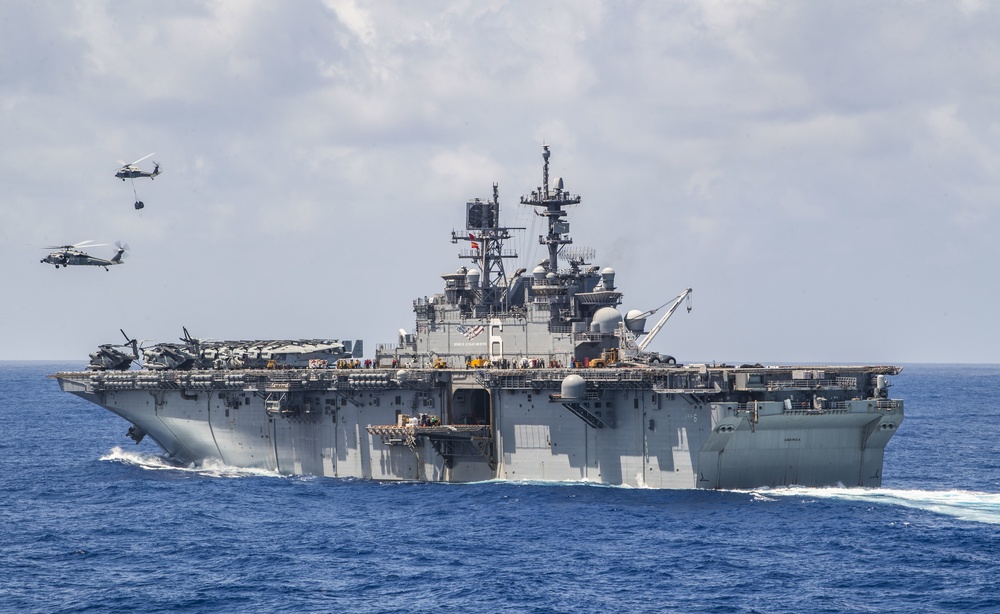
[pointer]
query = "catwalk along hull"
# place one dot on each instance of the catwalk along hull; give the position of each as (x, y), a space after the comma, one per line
(678, 427)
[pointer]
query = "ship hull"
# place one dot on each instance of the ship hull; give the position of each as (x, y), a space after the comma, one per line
(506, 427)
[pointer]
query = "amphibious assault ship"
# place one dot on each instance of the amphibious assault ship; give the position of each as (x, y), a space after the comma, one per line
(508, 376)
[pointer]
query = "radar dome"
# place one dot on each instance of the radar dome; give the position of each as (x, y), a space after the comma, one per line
(538, 272)
(473, 277)
(635, 321)
(574, 388)
(607, 319)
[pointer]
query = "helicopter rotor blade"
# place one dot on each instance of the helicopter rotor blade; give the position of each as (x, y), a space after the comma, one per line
(142, 158)
(80, 245)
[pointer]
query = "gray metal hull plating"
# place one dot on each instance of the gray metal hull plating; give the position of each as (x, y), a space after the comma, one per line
(638, 435)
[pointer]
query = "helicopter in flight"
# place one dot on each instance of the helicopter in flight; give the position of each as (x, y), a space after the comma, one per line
(73, 255)
(129, 170)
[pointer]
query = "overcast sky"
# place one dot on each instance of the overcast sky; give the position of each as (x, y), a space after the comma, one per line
(825, 175)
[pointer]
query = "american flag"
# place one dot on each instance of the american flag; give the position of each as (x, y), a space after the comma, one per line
(470, 332)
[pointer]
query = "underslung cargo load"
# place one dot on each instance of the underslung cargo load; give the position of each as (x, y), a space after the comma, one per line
(511, 375)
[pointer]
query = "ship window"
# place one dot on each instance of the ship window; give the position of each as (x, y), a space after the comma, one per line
(399, 400)
(637, 402)
(597, 405)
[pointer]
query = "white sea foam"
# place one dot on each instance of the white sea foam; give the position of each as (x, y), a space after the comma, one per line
(964, 504)
(208, 468)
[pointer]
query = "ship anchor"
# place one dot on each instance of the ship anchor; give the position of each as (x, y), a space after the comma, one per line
(136, 433)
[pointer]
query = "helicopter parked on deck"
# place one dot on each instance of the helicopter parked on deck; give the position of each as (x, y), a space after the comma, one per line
(111, 357)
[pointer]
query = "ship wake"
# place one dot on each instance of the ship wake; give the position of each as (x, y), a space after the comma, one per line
(206, 468)
(962, 504)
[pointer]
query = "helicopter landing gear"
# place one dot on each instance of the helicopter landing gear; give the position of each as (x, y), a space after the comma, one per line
(139, 204)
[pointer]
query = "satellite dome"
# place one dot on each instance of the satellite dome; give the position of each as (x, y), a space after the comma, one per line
(473, 277)
(538, 272)
(635, 321)
(607, 319)
(574, 388)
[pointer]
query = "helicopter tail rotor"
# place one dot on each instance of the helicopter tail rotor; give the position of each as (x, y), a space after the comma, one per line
(122, 252)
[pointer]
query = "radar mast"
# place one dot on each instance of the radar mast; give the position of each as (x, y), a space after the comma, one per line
(486, 240)
(553, 202)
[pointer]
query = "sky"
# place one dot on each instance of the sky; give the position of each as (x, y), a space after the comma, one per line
(825, 175)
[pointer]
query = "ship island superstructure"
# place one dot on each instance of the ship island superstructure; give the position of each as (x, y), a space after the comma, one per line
(507, 375)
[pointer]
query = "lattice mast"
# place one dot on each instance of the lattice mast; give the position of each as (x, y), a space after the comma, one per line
(486, 241)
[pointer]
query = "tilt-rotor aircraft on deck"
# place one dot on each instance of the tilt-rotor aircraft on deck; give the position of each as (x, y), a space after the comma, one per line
(533, 375)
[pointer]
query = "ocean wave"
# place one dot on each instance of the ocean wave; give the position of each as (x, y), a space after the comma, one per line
(963, 504)
(207, 468)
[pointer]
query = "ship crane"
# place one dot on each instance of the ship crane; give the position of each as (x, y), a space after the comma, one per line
(635, 350)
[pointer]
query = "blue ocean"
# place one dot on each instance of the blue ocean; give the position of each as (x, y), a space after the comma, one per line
(94, 523)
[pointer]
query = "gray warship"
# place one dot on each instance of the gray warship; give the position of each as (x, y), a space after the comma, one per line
(524, 376)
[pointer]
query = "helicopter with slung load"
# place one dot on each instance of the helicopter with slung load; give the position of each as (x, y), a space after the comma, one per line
(129, 170)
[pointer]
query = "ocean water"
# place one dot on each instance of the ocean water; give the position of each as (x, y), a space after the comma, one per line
(90, 522)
